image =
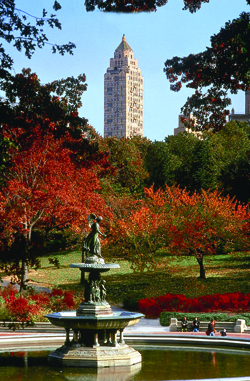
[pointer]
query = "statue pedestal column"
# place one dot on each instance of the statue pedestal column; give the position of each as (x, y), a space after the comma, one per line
(94, 309)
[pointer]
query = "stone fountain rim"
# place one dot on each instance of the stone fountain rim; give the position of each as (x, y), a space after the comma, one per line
(67, 315)
(95, 266)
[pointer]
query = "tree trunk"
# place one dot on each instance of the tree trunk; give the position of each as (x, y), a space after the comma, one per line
(24, 275)
(24, 268)
(202, 269)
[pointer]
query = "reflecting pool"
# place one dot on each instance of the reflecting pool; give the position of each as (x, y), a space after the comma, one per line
(158, 363)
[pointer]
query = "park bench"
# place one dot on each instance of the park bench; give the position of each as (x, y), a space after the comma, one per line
(239, 326)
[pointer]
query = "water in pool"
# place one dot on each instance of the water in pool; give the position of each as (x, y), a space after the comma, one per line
(158, 363)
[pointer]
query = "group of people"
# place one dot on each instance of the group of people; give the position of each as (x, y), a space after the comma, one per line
(196, 327)
(195, 324)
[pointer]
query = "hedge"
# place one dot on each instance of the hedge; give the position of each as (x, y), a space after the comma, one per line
(235, 302)
(166, 316)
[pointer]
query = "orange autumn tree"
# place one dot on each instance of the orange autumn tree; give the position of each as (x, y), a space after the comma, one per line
(206, 224)
(190, 225)
(44, 189)
(133, 238)
(138, 235)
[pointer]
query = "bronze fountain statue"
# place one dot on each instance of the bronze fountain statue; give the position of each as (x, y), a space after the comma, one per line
(95, 326)
(91, 244)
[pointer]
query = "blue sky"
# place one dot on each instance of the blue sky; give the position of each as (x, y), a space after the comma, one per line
(154, 37)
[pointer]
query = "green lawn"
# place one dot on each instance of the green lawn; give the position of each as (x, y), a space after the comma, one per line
(225, 273)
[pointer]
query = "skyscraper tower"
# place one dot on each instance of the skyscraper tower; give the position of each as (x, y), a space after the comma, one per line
(123, 94)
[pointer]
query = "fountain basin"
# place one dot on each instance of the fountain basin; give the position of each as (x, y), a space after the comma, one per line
(95, 342)
(94, 324)
(118, 320)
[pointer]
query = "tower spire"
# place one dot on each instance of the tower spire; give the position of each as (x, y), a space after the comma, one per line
(123, 94)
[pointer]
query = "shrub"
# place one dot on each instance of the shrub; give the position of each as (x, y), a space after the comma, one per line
(232, 302)
(30, 306)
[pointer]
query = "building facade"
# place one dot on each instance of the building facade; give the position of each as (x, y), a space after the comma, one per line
(123, 94)
(242, 117)
(183, 128)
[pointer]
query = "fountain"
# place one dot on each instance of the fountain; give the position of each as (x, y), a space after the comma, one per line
(94, 325)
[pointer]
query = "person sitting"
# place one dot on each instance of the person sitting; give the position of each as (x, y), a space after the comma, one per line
(184, 324)
(210, 329)
(223, 332)
(196, 324)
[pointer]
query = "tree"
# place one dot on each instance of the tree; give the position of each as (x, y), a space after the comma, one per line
(206, 224)
(234, 176)
(190, 225)
(138, 5)
(135, 239)
(16, 28)
(126, 157)
(44, 190)
(38, 114)
(157, 161)
(218, 161)
(222, 67)
(184, 149)
(25, 32)
(53, 107)
(222, 158)
(174, 162)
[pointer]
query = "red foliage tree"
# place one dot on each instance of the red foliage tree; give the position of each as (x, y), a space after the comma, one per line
(192, 225)
(205, 224)
(44, 188)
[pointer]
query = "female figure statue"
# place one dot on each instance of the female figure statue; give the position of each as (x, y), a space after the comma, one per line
(91, 244)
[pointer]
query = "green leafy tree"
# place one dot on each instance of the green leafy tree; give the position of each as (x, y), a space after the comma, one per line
(157, 162)
(126, 157)
(128, 6)
(26, 32)
(221, 68)
(234, 176)
(173, 162)
(184, 149)
(223, 161)
(219, 161)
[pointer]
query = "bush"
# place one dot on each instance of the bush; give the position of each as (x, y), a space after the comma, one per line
(31, 306)
(232, 302)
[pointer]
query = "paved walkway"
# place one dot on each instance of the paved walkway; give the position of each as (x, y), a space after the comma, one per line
(152, 326)
(143, 327)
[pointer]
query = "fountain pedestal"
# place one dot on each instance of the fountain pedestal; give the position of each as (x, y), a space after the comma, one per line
(97, 330)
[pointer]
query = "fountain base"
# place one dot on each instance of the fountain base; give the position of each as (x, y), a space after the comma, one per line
(96, 357)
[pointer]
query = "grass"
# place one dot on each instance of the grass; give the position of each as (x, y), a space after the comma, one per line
(177, 275)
